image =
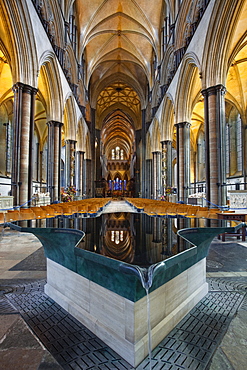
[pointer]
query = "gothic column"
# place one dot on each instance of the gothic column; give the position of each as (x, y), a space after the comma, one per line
(245, 156)
(84, 184)
(88, 172)
(37, 161)
(40, 170)
(166, 165)
(70, 163)
(143, 168)
(157, 231)
(79, 161)
(54, 159)
(148, 178)
(183, 160)
(215, 136)
(93, 153)
(23, 130)
(156, 174)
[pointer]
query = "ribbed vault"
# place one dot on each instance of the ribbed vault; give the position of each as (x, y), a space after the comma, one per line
(118, 44)
(118, 93)
(118, 132)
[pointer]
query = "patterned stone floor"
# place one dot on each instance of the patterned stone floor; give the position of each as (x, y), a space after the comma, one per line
(190, 345)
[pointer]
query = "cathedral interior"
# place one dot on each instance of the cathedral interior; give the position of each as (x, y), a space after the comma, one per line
(123, 98)
(134, 101)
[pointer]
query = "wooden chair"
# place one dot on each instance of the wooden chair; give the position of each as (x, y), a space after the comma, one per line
(69, 208)
(202, 214)
(27, 214)
(38, 212)
(12, 216)
(2, 218)
(58, 210)
(171, 210)
(49, 211)
(150, 211)
(191, 211)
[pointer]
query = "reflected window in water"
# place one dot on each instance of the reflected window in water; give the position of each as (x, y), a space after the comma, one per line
(131, 237)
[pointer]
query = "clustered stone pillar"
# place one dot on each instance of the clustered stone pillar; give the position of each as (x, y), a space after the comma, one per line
(166, 165)
(148, 179)
(84, 184)
(79, 173)
(23, 130)
(70, 163)
(92, 172)
(41, 168)
(143, 158)
(245, 158)
(156, 174)
(215, 135)
(54, 159)
(157, 236)
(183, 160)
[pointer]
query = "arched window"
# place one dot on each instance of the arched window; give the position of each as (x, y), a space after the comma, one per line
(35, 151)
(234, 147)
(117, 236)
(73, 29)
(165, 34)
(117, 154)
(239, 144)
(44, 162)
(5, 138)
(116, 185)
(121, 154)
(201, 156)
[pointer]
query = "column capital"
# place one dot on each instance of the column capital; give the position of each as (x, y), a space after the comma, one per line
(183, 124)
(54, 123)
(166, 142)
(156, 152)
(25, 88)
(213, 90)
(70, 141)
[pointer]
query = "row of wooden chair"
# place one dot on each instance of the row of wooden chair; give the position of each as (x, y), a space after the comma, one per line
(162, 209)
(87, 207)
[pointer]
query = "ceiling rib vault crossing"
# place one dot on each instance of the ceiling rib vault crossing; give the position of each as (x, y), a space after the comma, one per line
(118, 41)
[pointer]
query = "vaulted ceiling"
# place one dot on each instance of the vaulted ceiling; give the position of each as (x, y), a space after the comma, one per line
(119, 40)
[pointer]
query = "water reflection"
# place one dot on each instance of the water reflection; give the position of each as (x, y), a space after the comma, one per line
(134, 238)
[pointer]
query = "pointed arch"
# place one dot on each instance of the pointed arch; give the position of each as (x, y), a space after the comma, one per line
(20, 44)
(167, 119)
(188, 87)
(49, 84)
(155, 136)
(81, 134)
(70, 66)
(70, 118)
(223, 23)
(88, 147)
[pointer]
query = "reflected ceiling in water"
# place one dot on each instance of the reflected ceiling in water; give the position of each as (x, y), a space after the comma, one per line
(134, 238)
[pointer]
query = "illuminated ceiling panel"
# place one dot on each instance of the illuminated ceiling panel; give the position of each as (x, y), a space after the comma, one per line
(118, 94)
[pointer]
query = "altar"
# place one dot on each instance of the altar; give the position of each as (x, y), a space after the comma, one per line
(6, 202)
(238, 199)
